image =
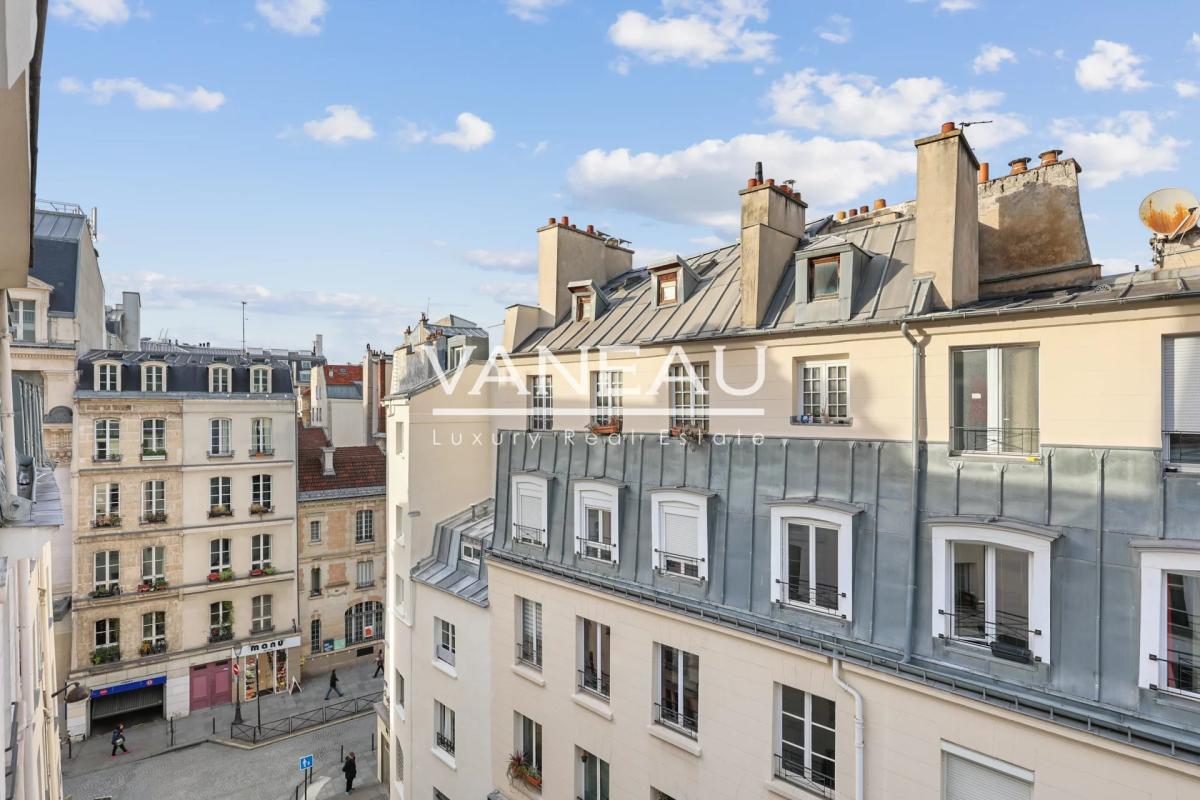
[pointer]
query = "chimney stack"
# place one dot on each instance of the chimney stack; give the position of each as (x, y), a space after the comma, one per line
(772, 227)
(566, 254)
(948, 216)
(983, 172)
(327, 461)
(1019, 165)
(1049, 157)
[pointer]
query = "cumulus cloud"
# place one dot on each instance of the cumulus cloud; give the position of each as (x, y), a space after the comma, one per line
(1187, 88)
(470, 133)
(836, 29)
(102, 90)
(696, 32)
(297, 17)
(510, 292)
(856, 105)
(696, 185)
(1118, 147)
(953, 5)
(91, 13)
(1110, 65)
(990, 57)
(1193, 43)
(531, 10)
(506, 260)
(340, 124)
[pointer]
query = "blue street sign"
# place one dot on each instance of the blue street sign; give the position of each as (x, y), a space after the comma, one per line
(306, 762)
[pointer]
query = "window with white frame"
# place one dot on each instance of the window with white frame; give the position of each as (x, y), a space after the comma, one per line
(219, 554)
(541, 402)
(454, 358)
(1180, 412)
(364, 525)
(24, 319)
(991, 588)
(594, 638)
(445, 644)
(107, 446)
(108, 633)
(824, 391)
(679, 524)
(314, 581)
(677, 689)
(812, 564)
(527, 741)
(1170, 616)
(154, 630)
(220, 379)
(314, 530)
(154, 560)
(805, 739)
(529, 632)
(154, 438)
(967, 775)
(398, 689)
(363, 622)
(106, 505)
(591, 776)
(443, 727)
(154, 501)
(261, 442)
(260, 614)
(108, 376)
(606, 397)
(260, 492)
(154, 377)
(260, 551)
(597, 507)
(220, 495)
(471, 549)
(106, 573)
(260, 380)
(995, 400)
(365, 573)
(529, 509)
(220, 437)
(220, 615)
(689, 395)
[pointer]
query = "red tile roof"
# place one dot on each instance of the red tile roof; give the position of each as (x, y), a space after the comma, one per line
(343, 374)
(354, 467)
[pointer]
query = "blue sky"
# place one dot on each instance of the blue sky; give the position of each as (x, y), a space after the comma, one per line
(344, 164)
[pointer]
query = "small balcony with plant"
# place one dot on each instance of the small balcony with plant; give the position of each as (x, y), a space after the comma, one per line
(220, 633)
(106, 655)
(152, 584)
(150, 453)
(220, 575)
(106, 457)
(521, 769)
(219, 511)
(106, 521)
(261, 451)
(263, 570)
(154, 518)
(104, 591)
(262, 508)
(152, 647)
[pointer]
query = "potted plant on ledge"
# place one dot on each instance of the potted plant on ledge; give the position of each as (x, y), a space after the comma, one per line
(521, 768)
(260, 508)
(606, 429)
(220, 511)
(225, 575)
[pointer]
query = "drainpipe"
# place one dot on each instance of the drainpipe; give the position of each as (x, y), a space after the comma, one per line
(859, 737)
(910, 605)
(8, 425)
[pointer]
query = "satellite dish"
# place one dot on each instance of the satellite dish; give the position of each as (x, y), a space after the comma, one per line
(1166, 210)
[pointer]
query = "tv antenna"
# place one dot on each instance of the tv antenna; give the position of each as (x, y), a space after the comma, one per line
(975, 122)
(243, 326)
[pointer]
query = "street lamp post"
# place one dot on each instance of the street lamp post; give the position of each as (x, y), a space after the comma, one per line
(258, 696)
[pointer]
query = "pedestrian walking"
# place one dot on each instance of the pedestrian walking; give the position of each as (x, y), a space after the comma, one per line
(350, 768)
(333, 685)
(118, 739)
(378, 664)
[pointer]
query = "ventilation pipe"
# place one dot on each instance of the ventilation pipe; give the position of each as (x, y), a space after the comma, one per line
(910, 604)
(860, 743)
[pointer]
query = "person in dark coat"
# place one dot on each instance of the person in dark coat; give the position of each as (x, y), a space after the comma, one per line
(118, 739)
(333, 685)
(378, 664)
(350, 768)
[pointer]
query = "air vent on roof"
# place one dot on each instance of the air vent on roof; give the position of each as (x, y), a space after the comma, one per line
(702, 269)
(635, 279)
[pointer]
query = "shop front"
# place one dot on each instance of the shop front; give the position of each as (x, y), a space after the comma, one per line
(265, 667)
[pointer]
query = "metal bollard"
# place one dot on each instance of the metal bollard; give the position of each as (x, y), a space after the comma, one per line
(342, 750)
(215, 728)
(173, 730)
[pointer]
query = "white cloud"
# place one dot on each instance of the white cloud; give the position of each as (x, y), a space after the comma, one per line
(1187, 88)
(1111, 65)
(1193, 43)
(341, 124)
(541, 147)
(958, 5)
(1118, 147)
(507, 260)
(470, 133)
(698, 184)
(856, 105)
(711, 242)
(836, 29)
(510, 292)
(91, 13)
(531, 10)
(102, 90)
(697, 32)
(297, 17)
(990, 57)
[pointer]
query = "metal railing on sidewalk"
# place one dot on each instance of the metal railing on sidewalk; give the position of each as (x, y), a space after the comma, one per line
(349, 707)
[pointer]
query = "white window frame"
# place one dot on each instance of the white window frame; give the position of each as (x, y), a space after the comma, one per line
(100, 375)
(224, 553)
(220, 379)
(220, 436)
(521, 745)
(788, 513)
(106, 569)
(779, 770)
(112, 632)
(599, 496)
(607, 396)
(470, 549)
(822, 395)
(24, 320)
(154, 497)
(986, 761)
(108, 432)
(681, 689)
(260, 490)
(364, 526)
(261, 613)
(445, 644)
(224, 492)
(681, 503)
(600, 676)
(156, 632)
(995, 392)
(260, 380)
(364, 569)
(538, 487)
(261, 440)
(1155, 561)
(152, 372)
(157, 562)
(443, 724)
(541, 403)
(106, 500)
(154, 434)
(689, 398)
(315, 527)
(1037, 544)
(529, 647)
(260, 551)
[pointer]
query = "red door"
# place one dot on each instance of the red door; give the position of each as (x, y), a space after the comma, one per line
(222, 692)
(211, 685)
(201, 689)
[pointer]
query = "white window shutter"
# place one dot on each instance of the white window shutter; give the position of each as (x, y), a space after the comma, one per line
(1181, 384)
(680, 535)
(529, 510)
(967, 780)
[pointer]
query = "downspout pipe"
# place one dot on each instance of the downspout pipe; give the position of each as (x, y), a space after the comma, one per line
(860, 744)
(8, 422)
(910, 604)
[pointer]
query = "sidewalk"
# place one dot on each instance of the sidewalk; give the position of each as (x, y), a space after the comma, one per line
(153, 738)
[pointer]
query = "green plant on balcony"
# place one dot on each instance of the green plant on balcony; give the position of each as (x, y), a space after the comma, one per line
(150, 452)
(521, 768)
(269, 570)
(260, 508)
(108, 590)
(220, 511)
(106, 521)
(106, 654)
(225, 575)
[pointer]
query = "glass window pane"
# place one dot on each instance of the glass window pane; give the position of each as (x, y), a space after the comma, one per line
(823, 714)
(1012, 597)
(826, 577)
(798, 569)
(1183, 632)
(970, 400)
(1019, 399)
(970, 591)
(1185, 448)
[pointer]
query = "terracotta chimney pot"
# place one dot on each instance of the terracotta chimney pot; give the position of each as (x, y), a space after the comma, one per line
(770, 181)
(592, 229)
(947, 127)
(750, 184)
(566, 221)
(853, 212)
(1049, 157)
(864, 209)
(841, 215)
(551, 222)
(1019, 165)
(880, 203)
(984, 172)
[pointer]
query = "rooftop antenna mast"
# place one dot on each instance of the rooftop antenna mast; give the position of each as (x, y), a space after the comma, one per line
(243, 326)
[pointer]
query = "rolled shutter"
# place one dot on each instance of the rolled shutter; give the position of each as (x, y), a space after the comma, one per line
(530, 510)
(1181, 384)
(967, 780)
(680, 535)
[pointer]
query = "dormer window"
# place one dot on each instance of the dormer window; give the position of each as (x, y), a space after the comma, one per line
(597, 520)
(219, 379)
(24, 320)
(583, 307)
(528, 509)
(108, 376)
(823, 277)
(260, 380)
(679, 523)
(154, 377)
(668, 288)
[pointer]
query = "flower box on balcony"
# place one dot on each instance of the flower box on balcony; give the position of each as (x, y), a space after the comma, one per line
(520, 768)
(155, 518)
(152, 586)
(106, 655)
(220, 634)
(101, 592)
(220, 511)
(262, 452)
(256, 573)
(108, 458)
(607, 429)
(155, 648)
(154, 455)
(220, 575)
(686, 432)
(259, 508)
(107, 521)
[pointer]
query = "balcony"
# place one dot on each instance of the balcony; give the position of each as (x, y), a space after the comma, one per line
(152, 584)
(792, 770)
(529, 653)
(262, 571)
(105, 592)
(220, 576)
(107, 521)
(678, 564)
(262, 452)
(527, 534)
(261, 508)
(219, 511)
(153, 454)
(444, 742)
(152, 647)
(106, 655)
(154, 518)
(676, 720)
(1007, 637)
(106, 458)
(595, 549)
(220, 633)
(1000, 441)
(220, 454)
(593, 682)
